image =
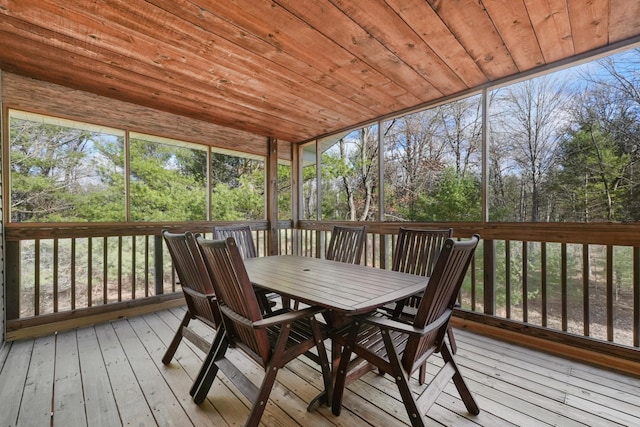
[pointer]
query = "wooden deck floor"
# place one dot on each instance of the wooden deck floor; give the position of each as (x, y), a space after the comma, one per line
(111, 374)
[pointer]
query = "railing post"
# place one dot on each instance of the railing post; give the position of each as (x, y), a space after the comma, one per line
(12, 274)
(158, 264)
(489, 264)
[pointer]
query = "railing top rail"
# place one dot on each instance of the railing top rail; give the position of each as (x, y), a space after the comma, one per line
(27, 231)
(617, 234)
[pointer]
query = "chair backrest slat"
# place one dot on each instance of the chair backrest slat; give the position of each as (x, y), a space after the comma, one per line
(346, 244)
(187, 261)
(235, 292)
(440, 295)
(417, 250)
(192, 275)
(243, 236)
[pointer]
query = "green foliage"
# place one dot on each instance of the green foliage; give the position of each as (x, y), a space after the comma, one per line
(63, 174)
(456, 198)
(160, 188)
(284, 191)
(241, 202)
(590, 180)
(53, 170)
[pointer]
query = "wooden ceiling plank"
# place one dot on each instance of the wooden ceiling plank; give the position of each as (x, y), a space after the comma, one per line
(352, 38)
(305, 42)
(392, 32)
(624, 20)
(200, 47)
(309, 67)
(273, 24)
(170, 62)
(430, 28)
(114, 82)
(512, 21)
(550, 20)
(589, 24)
(472, 26)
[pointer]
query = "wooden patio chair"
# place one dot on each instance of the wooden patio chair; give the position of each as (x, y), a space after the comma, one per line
(244, 240)
(197, 289)
(272, 341)
(416, 252)
(399, 348)
(346, 244)
(242, 235)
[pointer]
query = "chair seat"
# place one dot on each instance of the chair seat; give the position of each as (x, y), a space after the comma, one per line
(369, 343)
(300, 331)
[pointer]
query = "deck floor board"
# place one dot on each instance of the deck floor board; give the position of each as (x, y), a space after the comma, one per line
(112, 374)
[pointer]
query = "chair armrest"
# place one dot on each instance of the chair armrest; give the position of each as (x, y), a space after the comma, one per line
(289, 316)
(197, 294)
(406, 328)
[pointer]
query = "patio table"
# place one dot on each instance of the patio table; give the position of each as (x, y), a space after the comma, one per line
(344, 289)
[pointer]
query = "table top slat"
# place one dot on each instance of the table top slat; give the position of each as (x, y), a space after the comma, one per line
(338, 286)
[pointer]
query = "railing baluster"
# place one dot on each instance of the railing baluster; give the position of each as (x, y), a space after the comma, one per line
(89, 271)
(636, 296)
(73, 273)
(119, 268)
(133, 267)
(609, 290)
(36, 280)
(105, 275)
(585, 290)
(489, 276)
(146, 266)
(507, 277)
(543, 282)
(525, 281)
(158, 262)
(563, 286)
(472, 269)
(56, 262)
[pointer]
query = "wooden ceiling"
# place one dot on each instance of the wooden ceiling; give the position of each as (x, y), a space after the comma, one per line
(298, 69)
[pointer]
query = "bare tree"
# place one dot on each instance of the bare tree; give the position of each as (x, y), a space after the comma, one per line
(461, 129)
(528, 121)
(414, 156)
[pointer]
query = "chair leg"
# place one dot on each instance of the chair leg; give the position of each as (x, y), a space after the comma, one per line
(209, 369)
(263, 396)
(177, 338)
(402, 381)
(452, 340)
(459, 382)
(422, 374)
(271, 370)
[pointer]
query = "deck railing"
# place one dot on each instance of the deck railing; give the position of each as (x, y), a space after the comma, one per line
(578, 281)
(572, 283)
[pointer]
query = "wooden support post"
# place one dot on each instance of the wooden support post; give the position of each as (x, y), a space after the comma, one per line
(272, 196)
